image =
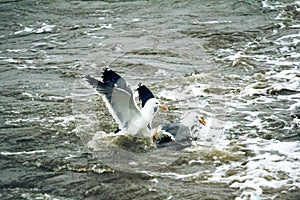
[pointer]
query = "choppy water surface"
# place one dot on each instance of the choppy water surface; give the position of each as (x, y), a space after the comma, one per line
(235, 62)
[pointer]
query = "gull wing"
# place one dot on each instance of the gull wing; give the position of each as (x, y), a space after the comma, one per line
(119, 97)
(111, 78)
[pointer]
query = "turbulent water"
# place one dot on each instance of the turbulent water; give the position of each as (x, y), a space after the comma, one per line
(234, 62)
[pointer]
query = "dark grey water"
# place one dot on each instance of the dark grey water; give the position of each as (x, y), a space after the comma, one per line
(235, 62)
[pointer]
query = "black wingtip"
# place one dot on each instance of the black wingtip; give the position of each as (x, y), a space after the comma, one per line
(144, 93)
(109, 77)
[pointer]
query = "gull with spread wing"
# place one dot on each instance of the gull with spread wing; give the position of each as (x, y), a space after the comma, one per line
(119, 99)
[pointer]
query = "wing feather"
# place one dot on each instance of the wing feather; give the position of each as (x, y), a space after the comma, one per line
(118, 96)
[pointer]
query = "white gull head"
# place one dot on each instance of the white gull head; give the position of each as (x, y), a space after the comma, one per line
(141, 126)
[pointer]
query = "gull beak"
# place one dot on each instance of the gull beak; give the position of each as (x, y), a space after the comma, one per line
(163, 107)
(202, 121)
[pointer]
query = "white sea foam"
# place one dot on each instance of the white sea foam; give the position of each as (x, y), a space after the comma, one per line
(10, 60)
(295, 26)
(175, 176)
(6, 153)
(24, 66)
(19, 120)
(135, 20)
(65, 121)
(213, 22)
(171, 95)
(106, 26)
(25, 30)
(17, 50)
(274, 165)
(45, 28)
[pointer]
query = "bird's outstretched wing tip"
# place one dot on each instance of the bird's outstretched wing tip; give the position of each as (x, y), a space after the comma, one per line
(92, 81)
(110, 77)
(140, 84)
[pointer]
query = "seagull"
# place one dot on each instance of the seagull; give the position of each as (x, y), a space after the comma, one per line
(187, 128)
(120, 101)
